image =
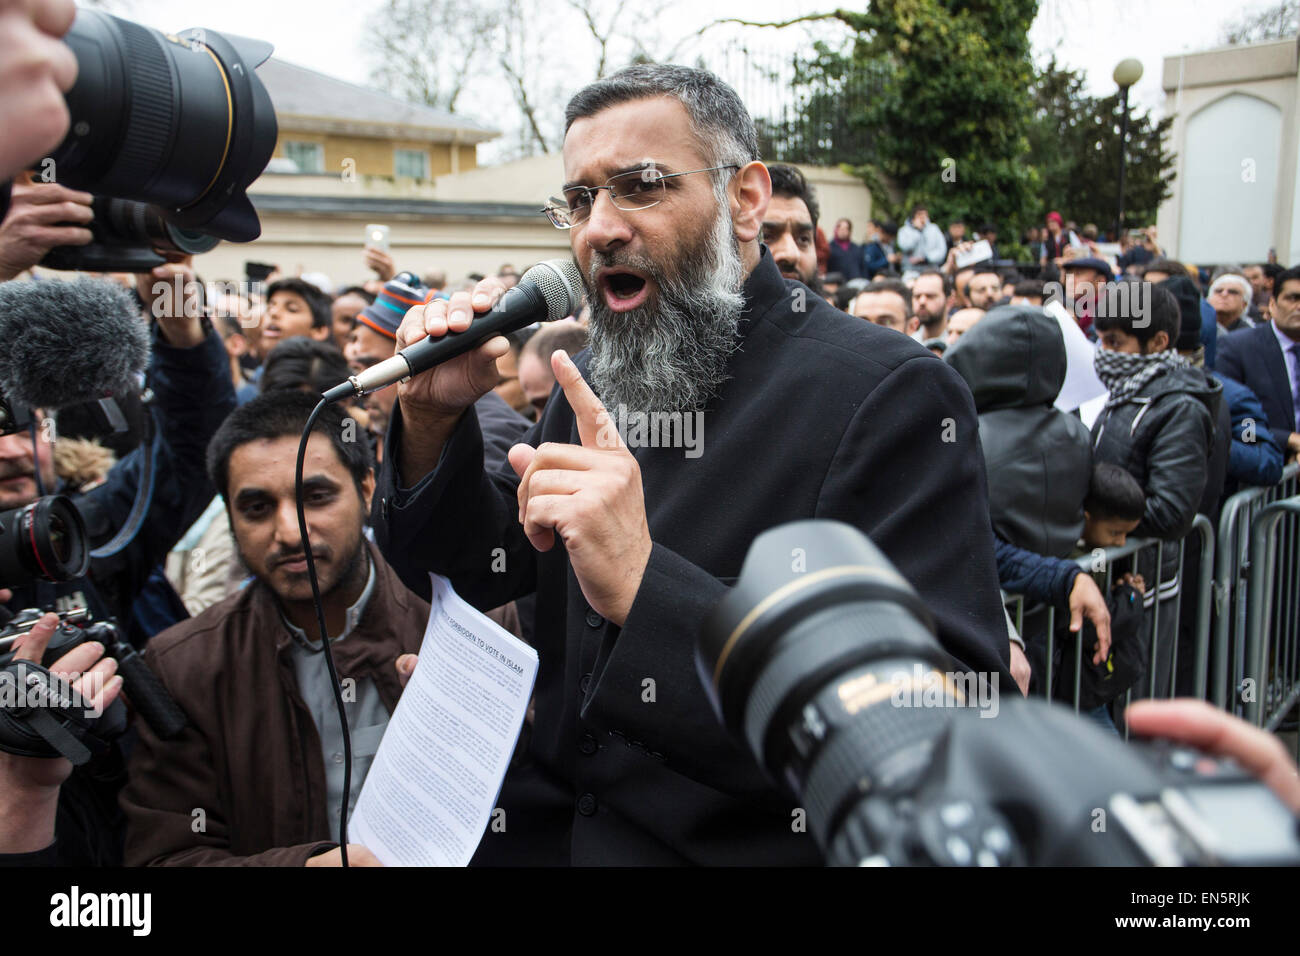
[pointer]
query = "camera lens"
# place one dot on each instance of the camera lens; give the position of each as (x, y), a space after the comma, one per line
(123, 221)
(44, 540)
(179, 122)
(807, 661)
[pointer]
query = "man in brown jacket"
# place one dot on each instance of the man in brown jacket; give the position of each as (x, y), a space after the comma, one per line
(257, 776)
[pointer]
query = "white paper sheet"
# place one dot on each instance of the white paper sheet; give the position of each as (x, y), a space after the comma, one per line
(1081, 381)
(1090, 409)
(433, 785)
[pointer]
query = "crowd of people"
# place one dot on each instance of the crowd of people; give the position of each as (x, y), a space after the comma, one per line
(707, 292)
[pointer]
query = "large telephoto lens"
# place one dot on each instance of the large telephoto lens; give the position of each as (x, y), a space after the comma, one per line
(178, 121)
(815, 662)
(45, 540)
(129, 237)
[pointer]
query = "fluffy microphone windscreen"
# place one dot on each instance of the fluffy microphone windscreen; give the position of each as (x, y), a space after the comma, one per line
(67, 342)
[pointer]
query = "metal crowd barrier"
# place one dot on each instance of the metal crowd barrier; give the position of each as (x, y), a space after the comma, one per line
(1237, 570)
(1271, 609)
(1102, 569)
(1246, 629)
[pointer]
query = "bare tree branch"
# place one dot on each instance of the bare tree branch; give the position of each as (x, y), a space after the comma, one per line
(1275, 22)
(520, 89)
(408, 48)
(586, 8)
(736, 21)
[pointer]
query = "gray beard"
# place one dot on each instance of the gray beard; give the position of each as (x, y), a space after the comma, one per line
(671, 355)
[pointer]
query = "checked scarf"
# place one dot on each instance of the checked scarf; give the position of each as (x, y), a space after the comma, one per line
(1125, 374)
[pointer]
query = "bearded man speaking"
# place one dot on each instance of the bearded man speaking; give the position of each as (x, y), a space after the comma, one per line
(628, 542)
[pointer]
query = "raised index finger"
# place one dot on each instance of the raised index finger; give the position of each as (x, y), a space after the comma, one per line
(596, 429)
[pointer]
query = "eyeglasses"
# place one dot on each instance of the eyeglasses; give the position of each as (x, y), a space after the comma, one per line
(630, 191)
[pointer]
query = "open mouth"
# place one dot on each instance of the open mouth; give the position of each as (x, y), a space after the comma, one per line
(623, 290)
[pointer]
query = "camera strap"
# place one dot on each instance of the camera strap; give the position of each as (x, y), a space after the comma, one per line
(58, 736)
(143, 497)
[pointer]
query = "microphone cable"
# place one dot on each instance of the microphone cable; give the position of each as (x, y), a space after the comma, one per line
(324, 629)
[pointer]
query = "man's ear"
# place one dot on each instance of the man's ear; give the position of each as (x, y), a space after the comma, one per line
(749, 202)
(320, 333)
(1159, 342)
(912, 325)
(368, 488)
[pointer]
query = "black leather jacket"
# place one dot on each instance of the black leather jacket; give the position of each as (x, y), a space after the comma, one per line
(1163, 436)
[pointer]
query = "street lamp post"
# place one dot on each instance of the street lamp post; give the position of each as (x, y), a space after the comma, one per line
(1127, 72)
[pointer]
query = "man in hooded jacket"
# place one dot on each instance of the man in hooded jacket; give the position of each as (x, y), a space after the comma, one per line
(1038, 459)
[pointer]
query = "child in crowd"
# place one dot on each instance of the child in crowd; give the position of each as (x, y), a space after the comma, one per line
(1113, 508)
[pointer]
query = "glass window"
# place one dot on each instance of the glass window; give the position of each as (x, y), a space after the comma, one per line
(308, 157)
(411, 163)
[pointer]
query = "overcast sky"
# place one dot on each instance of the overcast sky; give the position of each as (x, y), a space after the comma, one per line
(1090, 35)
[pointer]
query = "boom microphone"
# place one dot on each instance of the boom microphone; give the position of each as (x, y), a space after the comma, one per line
(63, 343)
(548, 291)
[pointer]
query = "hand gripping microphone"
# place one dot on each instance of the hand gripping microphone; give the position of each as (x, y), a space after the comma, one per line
(548, 291)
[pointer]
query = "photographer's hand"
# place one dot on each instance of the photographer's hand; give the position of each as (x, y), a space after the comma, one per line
(1204, 726)
(29, 786)
(41, 216)
(36, 69)
(177, 307)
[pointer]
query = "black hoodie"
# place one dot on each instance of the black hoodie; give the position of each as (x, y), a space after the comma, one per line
(1037, 458)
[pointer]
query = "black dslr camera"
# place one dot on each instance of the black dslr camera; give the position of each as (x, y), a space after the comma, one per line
(167, 132)
(832, 677)
(41, 715)
(44, 540)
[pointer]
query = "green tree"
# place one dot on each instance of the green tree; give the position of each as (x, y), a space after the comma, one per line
(1074, 143)
(950, 126)
(928, 102)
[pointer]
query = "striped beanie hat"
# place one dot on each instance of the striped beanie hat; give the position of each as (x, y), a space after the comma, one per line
(400, 294)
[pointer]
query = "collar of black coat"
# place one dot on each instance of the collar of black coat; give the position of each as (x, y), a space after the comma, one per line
(763, 287)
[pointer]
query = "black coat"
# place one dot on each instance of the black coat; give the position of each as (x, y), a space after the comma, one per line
(1039, 459)
(1253, 358)
(823, 416)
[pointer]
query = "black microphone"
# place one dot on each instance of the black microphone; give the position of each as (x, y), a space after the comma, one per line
(63, 343)
(548, 291)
